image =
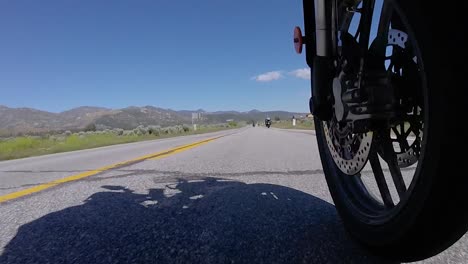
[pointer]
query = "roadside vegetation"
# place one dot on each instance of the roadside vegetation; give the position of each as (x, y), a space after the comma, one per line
(300, 124)
(28, 146)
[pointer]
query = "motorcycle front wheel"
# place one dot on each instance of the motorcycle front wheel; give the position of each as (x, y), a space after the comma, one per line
(408, 199)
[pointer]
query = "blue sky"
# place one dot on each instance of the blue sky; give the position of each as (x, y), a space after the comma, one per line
(215, 55)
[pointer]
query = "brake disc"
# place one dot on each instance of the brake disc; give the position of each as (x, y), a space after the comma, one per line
(350, 151)
(408, 148)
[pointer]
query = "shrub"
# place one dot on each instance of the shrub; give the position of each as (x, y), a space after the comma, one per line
(186, 128)
(232, 124)
(154, 130)
(90, 127)
(179, 129)
(172, 130)
(68, 133)
(141, 130)
(137, 132)
(118, 131)
(156, 133)
(128, 133)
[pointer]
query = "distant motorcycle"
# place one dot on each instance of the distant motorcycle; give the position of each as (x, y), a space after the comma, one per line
(268, 122)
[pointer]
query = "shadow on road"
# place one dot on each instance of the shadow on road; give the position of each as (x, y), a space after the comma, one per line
(205, 221)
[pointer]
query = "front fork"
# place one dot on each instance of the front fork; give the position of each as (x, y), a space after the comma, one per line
(320, 43)
(321, 28)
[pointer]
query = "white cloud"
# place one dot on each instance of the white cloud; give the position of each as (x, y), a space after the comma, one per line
(268, 76)
(301, 73)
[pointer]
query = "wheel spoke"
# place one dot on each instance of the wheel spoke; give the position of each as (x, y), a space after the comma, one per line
(365, 25)
(358, 32)
(404, 145)
(380, 179)
(390, 65)
(391, 159)
(407, 133)
(381, 40)
(403, 141)
(385, 18)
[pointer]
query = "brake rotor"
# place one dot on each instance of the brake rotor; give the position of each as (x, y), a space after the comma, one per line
(406, 147)
(350, 151)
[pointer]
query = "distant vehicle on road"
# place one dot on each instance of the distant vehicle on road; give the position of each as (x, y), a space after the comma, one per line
(268, 122)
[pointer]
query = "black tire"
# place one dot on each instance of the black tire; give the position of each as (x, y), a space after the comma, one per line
(435, 215)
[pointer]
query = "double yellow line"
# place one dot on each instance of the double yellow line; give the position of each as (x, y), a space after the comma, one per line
(153, 156)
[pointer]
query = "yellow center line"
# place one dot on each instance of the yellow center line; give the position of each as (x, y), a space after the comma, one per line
(153, 156)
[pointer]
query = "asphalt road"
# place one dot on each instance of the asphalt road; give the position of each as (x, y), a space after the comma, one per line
(254, 195)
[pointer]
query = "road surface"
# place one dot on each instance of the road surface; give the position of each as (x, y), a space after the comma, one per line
(251, 195)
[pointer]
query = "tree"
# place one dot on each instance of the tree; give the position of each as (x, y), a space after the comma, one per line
(277, 118)
(90, 127)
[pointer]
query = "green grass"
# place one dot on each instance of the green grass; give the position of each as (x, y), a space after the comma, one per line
(21, 147)
(300, 124)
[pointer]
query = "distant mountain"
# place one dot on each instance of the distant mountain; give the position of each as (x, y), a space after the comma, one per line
(15, 121)
(225, 112)
(131, 117)
(83, 110)
(82, 116)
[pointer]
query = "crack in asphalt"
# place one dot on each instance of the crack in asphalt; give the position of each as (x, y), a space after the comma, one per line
(24, 185)
(180, 174)
(175, 174)
(123, 170)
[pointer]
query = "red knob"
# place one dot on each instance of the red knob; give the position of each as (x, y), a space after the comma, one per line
(298, 40)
